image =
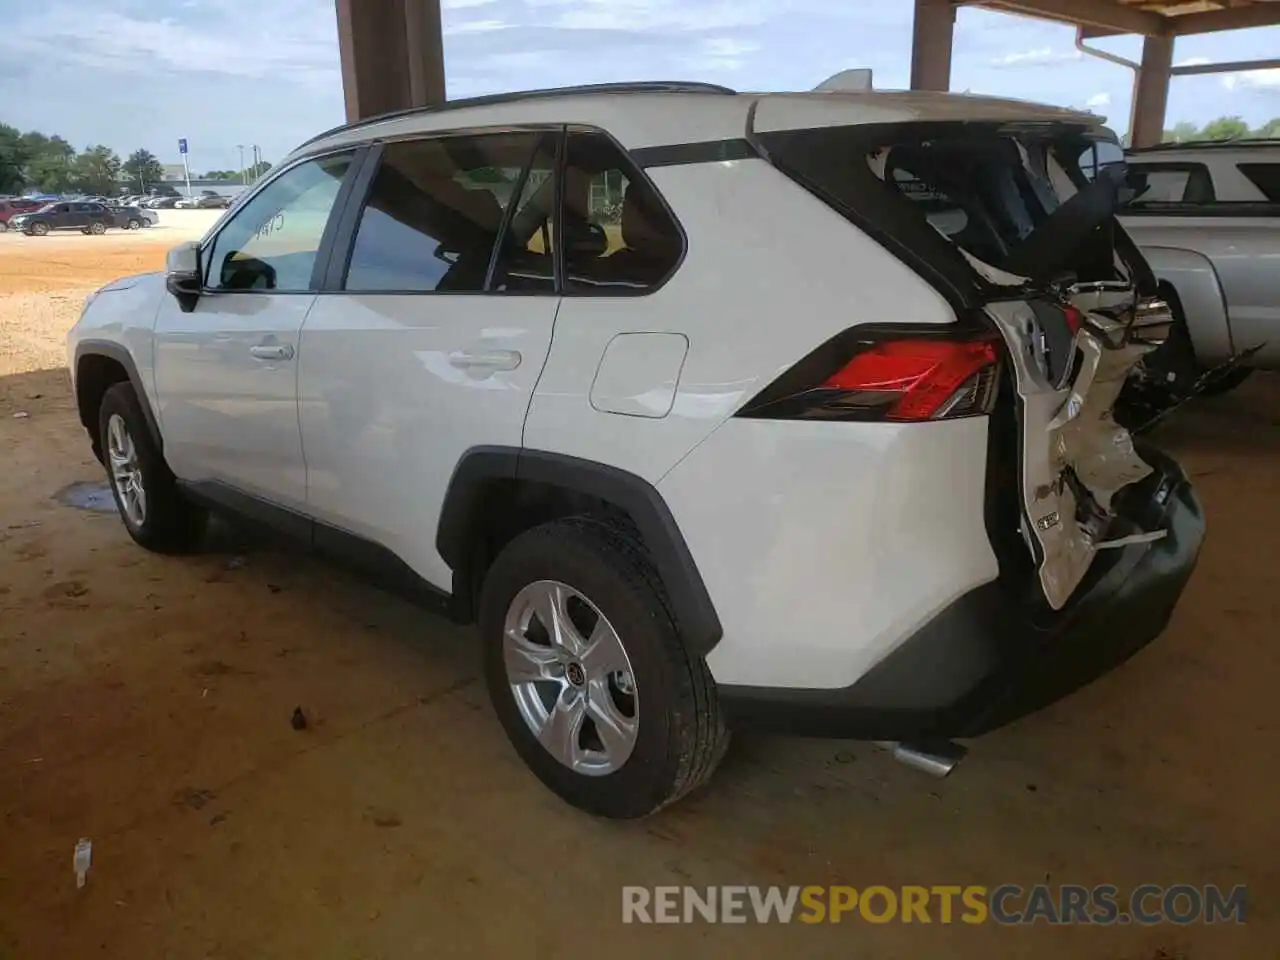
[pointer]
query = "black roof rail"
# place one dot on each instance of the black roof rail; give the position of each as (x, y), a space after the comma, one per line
(643, 86)
(1236, 142)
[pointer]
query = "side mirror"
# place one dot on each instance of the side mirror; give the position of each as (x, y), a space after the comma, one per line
(182, 274)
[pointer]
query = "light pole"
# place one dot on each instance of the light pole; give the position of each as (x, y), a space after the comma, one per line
(244, 181)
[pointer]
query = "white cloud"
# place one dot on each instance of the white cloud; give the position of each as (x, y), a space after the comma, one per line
(1042, 57)
(654, 15)
(1098, 100)
(1263, 80)
(475, 26)
(292, 40)
(464, 4)
(1193, 62)
(723, 53)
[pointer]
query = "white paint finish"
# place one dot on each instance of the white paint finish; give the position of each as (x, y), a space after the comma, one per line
(1200, 292)
(792, 111)
(226, 414)
(639, 373)
(734, 299)
(1245, 253)
(123, 312)
(826, 545)
(651, 119)
(389, 403)
(635, 119)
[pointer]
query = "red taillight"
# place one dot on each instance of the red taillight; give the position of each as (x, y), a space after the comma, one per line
(1075, 319)
(921, 379)
(888, 373)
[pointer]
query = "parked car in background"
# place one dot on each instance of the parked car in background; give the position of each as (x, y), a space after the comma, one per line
(870, 488)
(160, 203)
(1207, 216)
(204, 200)
(12, 206)
(134, 217)
(67, 215)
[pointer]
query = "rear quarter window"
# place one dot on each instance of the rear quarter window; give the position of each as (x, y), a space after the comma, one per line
(1264, 176)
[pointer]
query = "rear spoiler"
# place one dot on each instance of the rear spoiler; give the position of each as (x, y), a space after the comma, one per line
(847, 81)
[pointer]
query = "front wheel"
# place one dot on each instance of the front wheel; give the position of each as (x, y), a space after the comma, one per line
(152, 507)
(97, 228)
(589, 676)
(39, 229)
(134, 224)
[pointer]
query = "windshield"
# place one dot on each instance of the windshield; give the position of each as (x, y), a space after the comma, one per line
(48, 208)
(977, 203)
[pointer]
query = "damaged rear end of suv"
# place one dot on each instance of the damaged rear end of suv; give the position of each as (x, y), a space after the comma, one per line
(1095, 534)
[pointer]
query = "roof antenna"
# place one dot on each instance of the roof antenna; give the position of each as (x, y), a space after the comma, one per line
(857, 79)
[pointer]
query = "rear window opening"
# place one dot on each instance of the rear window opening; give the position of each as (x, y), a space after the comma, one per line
(972, 205)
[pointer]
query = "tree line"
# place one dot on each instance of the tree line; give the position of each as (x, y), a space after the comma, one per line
(1224, 128)
(49, 164)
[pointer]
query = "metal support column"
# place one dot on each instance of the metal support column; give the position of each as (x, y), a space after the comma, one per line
(1151, 92)
(931, 40)
(392, 54)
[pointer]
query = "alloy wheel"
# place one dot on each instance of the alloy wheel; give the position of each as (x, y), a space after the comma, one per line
(571, 678)
(126, 472)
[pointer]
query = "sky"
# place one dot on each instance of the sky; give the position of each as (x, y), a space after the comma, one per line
(142, 73)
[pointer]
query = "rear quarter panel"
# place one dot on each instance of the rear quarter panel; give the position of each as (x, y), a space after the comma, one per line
(1240, 256)
(770, 273)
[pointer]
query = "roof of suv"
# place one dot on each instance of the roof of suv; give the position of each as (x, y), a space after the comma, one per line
(705, 112)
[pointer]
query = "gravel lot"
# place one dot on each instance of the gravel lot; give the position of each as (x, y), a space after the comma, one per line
(145, 703)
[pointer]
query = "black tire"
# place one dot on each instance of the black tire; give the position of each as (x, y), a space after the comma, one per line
(170, 522)
(4, 226)
(134, 224)
(97, 228)
(680, 734)
(39, 229)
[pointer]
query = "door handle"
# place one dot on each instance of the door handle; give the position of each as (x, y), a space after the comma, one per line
(485, 359)
(273, 351)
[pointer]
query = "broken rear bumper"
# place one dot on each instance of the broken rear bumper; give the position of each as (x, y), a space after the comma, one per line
(993, 656)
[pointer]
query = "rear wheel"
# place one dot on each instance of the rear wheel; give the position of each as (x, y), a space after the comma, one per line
(1176, 367)
(153, 509)
(97, 228)
(4, 225)
(588, 674)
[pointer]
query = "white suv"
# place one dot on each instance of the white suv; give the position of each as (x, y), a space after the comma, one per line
(714, 410)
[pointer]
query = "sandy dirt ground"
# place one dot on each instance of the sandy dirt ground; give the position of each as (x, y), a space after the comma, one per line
(145, 703)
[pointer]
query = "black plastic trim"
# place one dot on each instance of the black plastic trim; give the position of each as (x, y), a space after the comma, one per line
(993, 655)
(371, 561)
(116, 352)
(348, 221)
(691, 603)
(706, 151)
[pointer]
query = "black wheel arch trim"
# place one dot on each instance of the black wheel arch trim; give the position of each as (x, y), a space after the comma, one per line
(118, 353)
(691, 603)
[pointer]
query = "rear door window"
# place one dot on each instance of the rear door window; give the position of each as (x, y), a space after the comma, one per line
(435, 210)
(1164, 184)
